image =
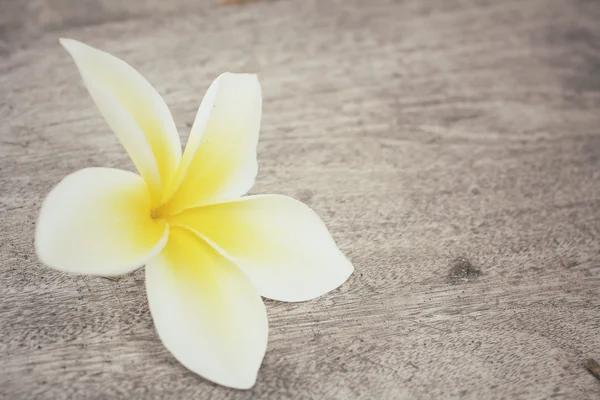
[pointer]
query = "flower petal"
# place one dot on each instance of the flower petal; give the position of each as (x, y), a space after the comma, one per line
(97, 221)
(206, 311)
(219, 161)
(281, 244)
(134, 110)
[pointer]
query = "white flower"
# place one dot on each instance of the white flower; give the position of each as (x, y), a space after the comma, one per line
(209, 253)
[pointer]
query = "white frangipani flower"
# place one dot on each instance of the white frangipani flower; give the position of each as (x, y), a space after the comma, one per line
(209, 252)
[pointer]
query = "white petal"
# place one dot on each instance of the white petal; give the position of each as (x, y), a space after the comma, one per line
(97, 221)
(134, 110)
(281, 244)
(219, 161)
(206, 311)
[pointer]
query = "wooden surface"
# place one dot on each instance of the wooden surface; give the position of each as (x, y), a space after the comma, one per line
(452, 147)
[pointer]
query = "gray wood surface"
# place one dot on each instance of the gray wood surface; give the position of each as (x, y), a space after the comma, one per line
(452, 147)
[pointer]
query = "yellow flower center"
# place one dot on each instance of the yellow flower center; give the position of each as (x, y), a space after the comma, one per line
(159, 212)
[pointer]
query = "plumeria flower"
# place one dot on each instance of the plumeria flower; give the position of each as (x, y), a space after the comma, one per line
(210, 252)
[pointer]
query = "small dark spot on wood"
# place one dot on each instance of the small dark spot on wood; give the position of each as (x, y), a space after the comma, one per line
(593, 366)
(188, 124)
(412, 365)
(566, 263)
(462, 270)
(460, 115)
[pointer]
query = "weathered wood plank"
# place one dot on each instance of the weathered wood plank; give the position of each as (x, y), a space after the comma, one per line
(420, 131)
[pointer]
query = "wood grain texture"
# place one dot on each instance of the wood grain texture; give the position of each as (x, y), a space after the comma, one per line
(452, 147)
